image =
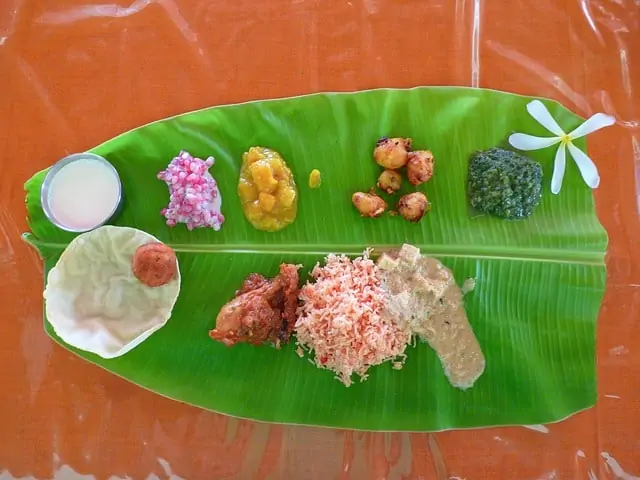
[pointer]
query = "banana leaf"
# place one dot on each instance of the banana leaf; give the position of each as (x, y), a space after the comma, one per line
(539, 282)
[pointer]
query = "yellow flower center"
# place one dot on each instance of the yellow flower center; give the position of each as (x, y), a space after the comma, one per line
(565, 139)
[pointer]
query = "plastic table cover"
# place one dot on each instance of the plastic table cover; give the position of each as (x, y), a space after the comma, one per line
(74, 73)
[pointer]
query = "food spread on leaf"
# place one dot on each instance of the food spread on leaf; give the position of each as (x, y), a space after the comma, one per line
(354, 314)
(113, 287)
(267, 190)
(504, 183)
(194, 198)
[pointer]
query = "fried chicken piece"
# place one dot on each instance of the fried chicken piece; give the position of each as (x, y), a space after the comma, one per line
(252, 282)
(263, 310)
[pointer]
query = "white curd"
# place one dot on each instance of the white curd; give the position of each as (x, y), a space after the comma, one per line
(83, 194)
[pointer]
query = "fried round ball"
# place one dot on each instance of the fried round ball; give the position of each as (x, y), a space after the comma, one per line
(154, 264)
(389, 181)
(392, 152)
(420, 166)
(413, 206)
(368, 204)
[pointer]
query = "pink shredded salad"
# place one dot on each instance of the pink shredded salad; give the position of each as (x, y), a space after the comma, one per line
(194, 198)
(340, 319)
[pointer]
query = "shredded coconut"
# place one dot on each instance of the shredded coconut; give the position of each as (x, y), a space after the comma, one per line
(194, 198)
(340, 319)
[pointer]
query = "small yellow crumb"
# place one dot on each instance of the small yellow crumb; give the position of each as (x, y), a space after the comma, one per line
(314, 178)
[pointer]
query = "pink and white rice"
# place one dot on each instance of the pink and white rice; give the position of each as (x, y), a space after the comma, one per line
(194, 198)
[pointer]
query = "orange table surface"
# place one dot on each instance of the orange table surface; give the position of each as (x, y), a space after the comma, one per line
(75, 73)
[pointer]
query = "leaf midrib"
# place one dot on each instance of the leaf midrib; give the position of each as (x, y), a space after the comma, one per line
(549, 255)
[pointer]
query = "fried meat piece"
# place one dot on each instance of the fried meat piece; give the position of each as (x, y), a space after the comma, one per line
(262, 311)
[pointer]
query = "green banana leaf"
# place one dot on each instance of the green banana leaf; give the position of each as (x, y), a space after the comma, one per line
(539, 285)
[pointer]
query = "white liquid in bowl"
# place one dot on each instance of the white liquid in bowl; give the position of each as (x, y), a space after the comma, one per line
(83, 194)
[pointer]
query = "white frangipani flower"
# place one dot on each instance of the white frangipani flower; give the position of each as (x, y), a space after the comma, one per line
(587, 168)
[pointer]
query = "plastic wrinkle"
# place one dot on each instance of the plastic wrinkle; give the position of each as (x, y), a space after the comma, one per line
(636, 161)
(586, 10)
(537, 428)
(616, 469)
(475, 45)
(9, 16)
(577, 101)
(39, 89)
(78, 14)
(77, 72)
(85, 12)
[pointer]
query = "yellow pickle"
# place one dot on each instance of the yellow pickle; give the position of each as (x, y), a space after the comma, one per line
(267, 190)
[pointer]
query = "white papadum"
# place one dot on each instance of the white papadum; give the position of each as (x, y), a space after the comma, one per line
(93, 300)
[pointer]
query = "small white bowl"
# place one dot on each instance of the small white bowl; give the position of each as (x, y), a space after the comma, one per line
(45, 192)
